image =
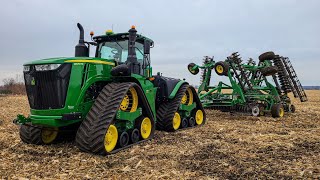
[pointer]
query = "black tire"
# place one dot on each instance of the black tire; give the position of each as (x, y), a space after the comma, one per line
(166, 111)
(267, 56)
(225, 69)
(269, 71)
(293, 108)
(255, 111)
(191, 122)
(30, 134)
(124, 139)
(120, 70)
(276, 110)
(184, 123)
(190, 66)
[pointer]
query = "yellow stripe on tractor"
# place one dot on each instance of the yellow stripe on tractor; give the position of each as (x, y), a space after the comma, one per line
(91, 61)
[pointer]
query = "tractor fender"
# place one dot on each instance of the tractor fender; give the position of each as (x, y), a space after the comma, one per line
(176, 88)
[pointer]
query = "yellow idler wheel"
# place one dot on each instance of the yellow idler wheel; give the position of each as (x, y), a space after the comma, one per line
(219, 69)
(281, 112)
(199, 117)
(146, 128)
(111, 138)
(48, 135)
(187, 97)
(130, 101)
(176, 121)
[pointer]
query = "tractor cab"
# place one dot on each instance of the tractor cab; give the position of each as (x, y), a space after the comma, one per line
(128, 48)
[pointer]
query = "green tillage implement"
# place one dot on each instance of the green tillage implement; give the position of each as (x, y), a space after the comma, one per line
(249, 89)
(107, 102)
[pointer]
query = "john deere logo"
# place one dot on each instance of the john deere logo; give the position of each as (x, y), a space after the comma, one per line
(33, 82)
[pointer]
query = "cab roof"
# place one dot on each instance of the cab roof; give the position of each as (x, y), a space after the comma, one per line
(119, 37)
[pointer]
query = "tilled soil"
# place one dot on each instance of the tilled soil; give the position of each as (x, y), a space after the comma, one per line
(232, 146)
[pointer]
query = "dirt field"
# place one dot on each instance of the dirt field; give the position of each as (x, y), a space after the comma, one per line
(227, 146)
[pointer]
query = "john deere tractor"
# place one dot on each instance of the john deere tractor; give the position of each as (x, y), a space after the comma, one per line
(107, 102)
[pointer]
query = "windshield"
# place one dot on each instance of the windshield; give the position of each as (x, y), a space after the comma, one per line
(118, 50)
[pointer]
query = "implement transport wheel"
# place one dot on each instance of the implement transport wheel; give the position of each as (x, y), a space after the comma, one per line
(221, 68)
(277, 110)
(199, 117)
(267, 56)
(111, 138)
(255, 111)
(38, 135)
(268, 71)
(187, 98)
(261, 111)
(193, 70)
(124, 139)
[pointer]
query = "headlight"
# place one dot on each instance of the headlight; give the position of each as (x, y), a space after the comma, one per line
(47, 67)
(26, 68)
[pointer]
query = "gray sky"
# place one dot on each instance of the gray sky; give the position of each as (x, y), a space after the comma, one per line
(183, 31)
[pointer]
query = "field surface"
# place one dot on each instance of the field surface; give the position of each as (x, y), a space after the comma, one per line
(228, 146)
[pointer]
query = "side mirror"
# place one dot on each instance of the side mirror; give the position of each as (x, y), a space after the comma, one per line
(147, 45)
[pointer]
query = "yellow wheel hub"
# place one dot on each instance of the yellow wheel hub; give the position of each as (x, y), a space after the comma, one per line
(176, 121)
(187, 97)
(219, 69)
(184, 98)
(130, 101)
(146, 128)
(281, 112)
(199, 117)
(111, 138)
(48, 135)
(125, 103)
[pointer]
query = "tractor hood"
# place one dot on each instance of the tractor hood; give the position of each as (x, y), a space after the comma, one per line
(61, 60)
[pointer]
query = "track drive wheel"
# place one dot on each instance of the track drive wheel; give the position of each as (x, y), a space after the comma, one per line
(221, 68)
(277, 110)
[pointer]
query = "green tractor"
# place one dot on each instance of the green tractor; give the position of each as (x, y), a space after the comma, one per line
(107, 102)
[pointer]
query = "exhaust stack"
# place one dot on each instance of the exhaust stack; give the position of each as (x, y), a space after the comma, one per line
(81, 50)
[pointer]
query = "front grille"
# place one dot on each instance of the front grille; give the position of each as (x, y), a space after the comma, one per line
(47, 89)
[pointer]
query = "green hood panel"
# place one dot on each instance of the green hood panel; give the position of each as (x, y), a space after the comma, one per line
(61, 60)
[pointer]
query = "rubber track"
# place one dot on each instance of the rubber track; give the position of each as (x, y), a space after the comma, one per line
(30, 134)
(90, 135)
(167, 110)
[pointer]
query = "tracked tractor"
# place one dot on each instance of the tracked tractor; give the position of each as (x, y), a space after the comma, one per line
(250, 89)
(107, 102)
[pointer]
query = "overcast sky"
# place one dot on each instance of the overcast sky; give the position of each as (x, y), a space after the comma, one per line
(183, 31)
